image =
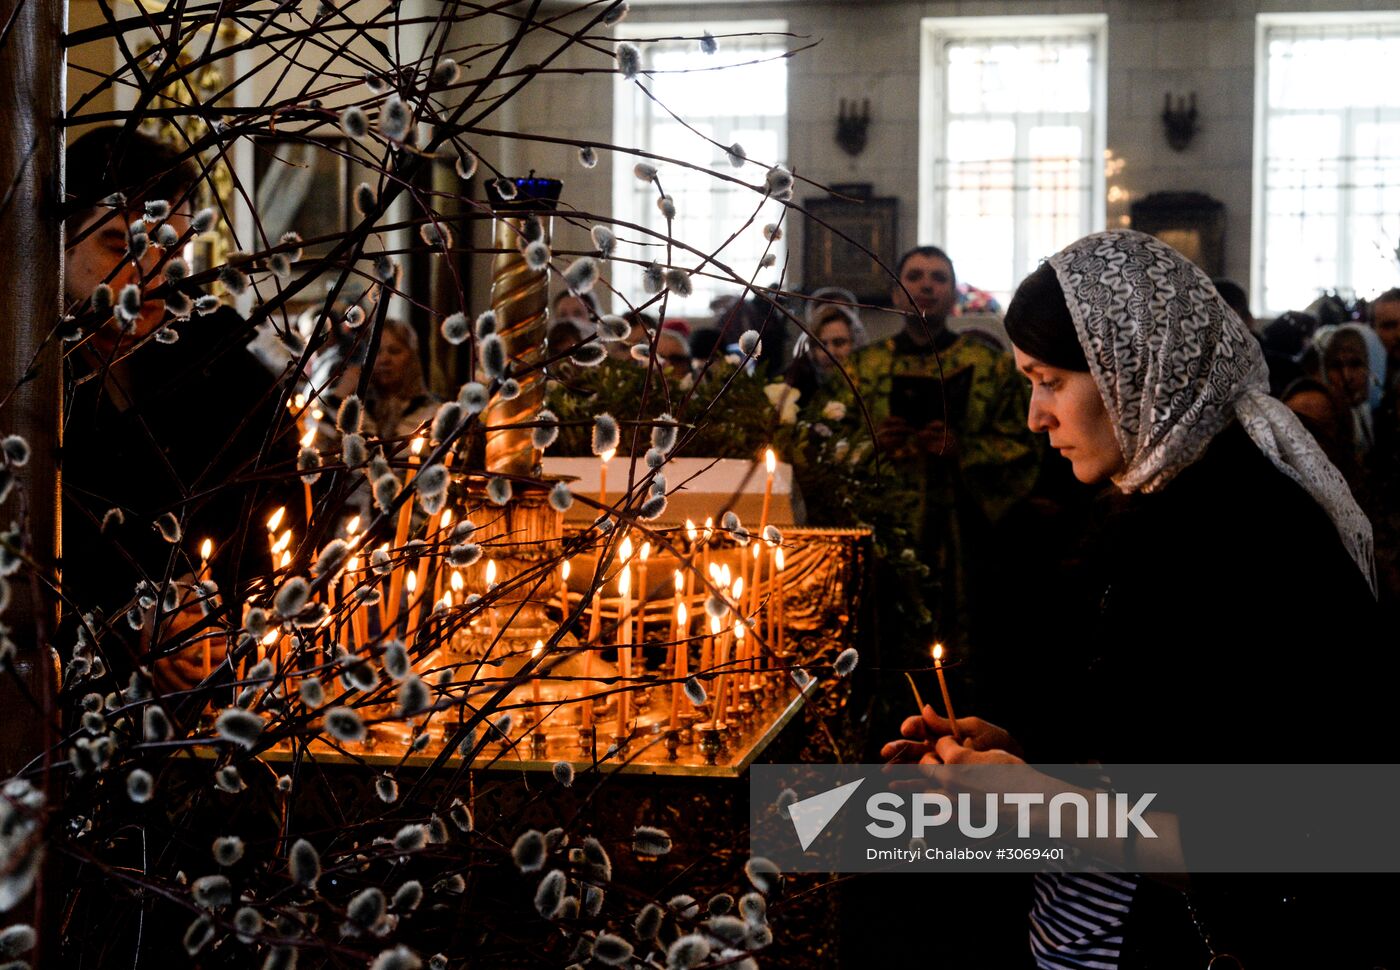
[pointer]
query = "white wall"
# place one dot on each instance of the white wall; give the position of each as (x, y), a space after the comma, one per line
(871, 49)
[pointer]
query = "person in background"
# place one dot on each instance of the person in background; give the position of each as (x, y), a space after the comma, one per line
(564, 336)
(1385, 320)
(673, 349)
(399, 402)
(1287, 342)
(834, 331)
(1328, 419)
(952, 443)
(1346, 367)
(166, 419)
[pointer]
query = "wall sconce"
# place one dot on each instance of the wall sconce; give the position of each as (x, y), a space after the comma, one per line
(853, 126)
(1180, 121)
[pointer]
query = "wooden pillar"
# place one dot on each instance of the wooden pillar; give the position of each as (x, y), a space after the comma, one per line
(32, 64)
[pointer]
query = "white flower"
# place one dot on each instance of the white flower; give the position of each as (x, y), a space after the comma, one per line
(834, 411)
(783, 397)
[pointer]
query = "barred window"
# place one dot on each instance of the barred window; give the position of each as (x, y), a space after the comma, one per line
(1327, 176)
(745, 102)
(1012, 137)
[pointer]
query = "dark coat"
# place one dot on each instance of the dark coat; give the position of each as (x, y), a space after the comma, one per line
(1231, 626)
(196, 439)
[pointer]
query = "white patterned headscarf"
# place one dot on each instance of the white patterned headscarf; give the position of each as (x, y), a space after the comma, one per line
(1175, 366)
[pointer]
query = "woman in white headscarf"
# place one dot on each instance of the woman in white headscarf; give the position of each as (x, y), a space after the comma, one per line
(1237, 562)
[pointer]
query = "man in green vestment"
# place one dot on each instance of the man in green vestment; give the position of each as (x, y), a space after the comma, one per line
(953, 451)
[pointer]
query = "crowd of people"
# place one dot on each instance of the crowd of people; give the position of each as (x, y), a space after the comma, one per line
(1251, 460)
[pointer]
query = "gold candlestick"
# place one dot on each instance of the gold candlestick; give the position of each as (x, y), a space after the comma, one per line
(520, 300)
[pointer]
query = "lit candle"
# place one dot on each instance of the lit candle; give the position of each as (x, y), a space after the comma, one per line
(412, 605)
(705, 546)
(756, 580)
(624, 647)
(415, 448)
(780, 617)
(770, 461)
(206, 549)
(306, 441)
(604, 458)
(737, 594)
(534, 674)
(454, 596)
(444, 522)
(742, 652)
(710, 647)
(679, 582)
(273, 522)
(359, 623)
(679, 628)
(490, 585)
(943, 686)
(642, 555)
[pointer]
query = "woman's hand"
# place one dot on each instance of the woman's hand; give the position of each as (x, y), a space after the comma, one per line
(926, 733)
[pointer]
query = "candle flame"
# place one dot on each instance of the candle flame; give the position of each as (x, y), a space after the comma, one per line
(690, 530)
(309, 437)
(565, 569)
(646, 551)
(738, 587)
(456, 581)
(682, 617)
(446, 602)
(535, 650)
(739, 631)
(410, 582)
(445, 519)
(937, 652)
(270, 637)
(490, 572)
(352, 526)
(286, 559)
(725, 575)
(353, 564)
(779, 559)
(771, 460)
(299, 401)
(206, 548)
(607, 456)
(624, 581)
(626, 548)
(275, 519)
(714, 626)
(415, 446)
(283, 541)
(715, 574)
(756, 550)
(317, 414)
(678, 579)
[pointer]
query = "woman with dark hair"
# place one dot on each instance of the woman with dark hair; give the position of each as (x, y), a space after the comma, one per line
(1142, 377)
